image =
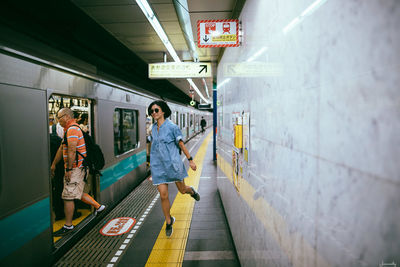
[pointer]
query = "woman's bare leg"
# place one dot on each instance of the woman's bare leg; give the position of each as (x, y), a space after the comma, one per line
(166, 207)
(184, 189)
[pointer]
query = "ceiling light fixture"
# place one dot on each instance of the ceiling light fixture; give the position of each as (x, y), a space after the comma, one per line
(205, 87)
(151, 17)
(307, 12)
(257, 54)
(224, 82)
(197, 90)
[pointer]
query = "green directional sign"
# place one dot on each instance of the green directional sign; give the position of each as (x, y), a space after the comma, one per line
(252, 69)
(179, 70)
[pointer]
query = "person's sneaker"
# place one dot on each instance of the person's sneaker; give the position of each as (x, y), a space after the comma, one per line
(168, 227)
(195, 195)
(64, 230)
(100, 209)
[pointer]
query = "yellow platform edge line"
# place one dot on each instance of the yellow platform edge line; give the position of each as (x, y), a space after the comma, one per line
(170, 251)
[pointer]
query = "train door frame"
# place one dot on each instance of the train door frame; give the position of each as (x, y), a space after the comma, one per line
(191, 124)
(188, 124)
(94, 182)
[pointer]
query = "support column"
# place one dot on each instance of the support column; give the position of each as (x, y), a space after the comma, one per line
(214, 121)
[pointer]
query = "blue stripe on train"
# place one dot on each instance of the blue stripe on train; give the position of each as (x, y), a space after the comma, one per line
(122, 168)
(21, 227)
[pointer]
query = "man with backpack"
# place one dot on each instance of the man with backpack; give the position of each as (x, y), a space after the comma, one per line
(74, 152)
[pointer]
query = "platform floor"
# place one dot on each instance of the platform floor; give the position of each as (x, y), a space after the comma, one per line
(201, 233)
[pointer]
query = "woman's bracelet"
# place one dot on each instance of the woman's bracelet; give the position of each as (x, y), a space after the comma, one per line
(189, 159)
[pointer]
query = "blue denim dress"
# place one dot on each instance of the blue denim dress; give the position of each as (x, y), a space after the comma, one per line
(165, 162)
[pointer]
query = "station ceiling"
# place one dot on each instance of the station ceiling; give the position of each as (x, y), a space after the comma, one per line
(113, 38)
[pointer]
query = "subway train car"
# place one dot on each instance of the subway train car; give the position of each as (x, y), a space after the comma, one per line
(31, 93)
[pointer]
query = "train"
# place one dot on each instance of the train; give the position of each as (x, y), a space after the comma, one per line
(31, 92)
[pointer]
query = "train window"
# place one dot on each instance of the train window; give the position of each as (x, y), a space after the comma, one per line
(176, 118)
(191, 120)
(125, 130)
(80, 106)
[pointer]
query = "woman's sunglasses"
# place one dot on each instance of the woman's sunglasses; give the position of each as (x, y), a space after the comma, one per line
(156, 110)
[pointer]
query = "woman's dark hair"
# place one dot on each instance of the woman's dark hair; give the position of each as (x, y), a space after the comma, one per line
(164, 107)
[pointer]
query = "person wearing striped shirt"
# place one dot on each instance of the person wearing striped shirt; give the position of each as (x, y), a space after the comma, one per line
(75, 172)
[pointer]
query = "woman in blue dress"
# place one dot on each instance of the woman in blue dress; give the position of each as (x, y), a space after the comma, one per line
(165, 162)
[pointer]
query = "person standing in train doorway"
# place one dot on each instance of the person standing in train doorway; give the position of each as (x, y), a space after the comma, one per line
(75, 173)
(203, 124)
(165, 163)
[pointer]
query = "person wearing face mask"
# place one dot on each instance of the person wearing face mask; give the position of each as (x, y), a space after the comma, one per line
(165, 163)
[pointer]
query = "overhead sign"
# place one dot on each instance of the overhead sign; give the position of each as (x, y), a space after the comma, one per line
(179, 70)
(218, 33)
(252, 69)
(118, 226)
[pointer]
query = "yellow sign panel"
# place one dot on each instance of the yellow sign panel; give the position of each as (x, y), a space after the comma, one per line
(224, 38)
(179, 70)
(252, 69)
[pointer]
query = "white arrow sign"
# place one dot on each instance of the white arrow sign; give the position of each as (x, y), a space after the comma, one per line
(179, 70)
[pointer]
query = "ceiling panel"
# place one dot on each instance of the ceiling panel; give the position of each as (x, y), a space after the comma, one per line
(115, 14)
(177, 39)
(130, 29)
(141, 28)
(165, 12)
(124, 20)
(211, 5)
(147, 47)
(213, 51)
(137, 40)
(82, 3)
(154, 47)
(159, 1)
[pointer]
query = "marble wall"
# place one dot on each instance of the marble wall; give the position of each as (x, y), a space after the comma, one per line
(321, 82)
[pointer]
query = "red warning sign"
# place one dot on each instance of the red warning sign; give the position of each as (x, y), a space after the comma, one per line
(218, 33)
(118, 226)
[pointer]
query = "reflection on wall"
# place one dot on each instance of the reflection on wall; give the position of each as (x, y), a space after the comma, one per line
(317, 180)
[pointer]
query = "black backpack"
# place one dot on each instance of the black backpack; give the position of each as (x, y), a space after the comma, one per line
(94, 159)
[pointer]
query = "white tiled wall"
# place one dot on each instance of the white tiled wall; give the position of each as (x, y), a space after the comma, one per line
(322, 186)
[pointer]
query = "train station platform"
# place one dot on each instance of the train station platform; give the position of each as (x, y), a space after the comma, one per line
(133, 233)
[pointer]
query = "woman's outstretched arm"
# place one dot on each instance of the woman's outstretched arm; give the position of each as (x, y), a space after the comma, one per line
(186, 152)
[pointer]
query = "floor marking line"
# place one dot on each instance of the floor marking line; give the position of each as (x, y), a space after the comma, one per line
(209, 255)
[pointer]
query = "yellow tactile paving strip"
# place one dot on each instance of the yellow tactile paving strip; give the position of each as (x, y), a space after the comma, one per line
(169, 251)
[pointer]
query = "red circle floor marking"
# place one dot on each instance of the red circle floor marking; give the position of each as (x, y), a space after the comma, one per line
(118, 226)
